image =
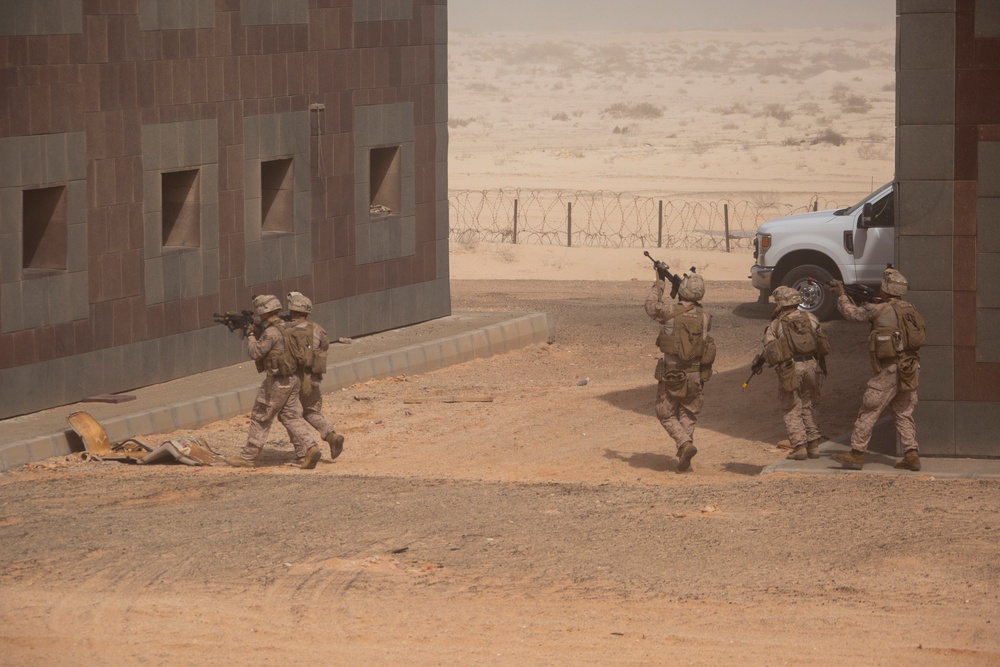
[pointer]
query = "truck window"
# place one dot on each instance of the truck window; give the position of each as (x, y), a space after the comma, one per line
(883, 212)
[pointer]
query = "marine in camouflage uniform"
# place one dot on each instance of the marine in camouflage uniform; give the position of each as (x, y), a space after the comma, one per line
(279, 392)
(799, 405)
(679, 391)
(884, 389)
(299, 307)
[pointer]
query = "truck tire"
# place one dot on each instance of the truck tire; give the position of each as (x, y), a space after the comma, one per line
(809, 280)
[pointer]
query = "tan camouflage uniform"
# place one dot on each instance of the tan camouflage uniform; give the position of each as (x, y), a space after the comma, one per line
(278, 397)
(311, 394)
(883, 389)
(677, 416)
(800, 408)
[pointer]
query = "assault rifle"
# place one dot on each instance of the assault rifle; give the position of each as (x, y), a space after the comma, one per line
(663, 272)
(858, 293)
(756, 368)
(242, 320)
(235, 321)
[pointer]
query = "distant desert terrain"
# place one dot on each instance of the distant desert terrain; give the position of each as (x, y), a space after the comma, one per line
(769, 118)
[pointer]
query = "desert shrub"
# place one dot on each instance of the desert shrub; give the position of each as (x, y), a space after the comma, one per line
(875, 137)
(479, 87)
(839, 92)
(638, 111)
(829, 136)
(889, 88)
(459, 122)
(577, 114)
(735, 107)
(791, 141)
(810, 108)
(730, 126)
(562, 115)
(872, 152)
(855, 104)
(777, 111)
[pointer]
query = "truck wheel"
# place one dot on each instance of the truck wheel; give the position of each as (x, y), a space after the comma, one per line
(809, 279)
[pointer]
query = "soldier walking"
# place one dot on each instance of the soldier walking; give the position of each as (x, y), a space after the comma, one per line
(299, 307)
(688, 354)
(897, 332)
(795, 345)
(279, 391)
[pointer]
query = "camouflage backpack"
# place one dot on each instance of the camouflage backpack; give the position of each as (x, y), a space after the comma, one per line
(912, 328)
(299, 344)
(802, 339)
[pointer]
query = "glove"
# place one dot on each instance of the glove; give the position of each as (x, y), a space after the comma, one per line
(249, 330)
(837, 287)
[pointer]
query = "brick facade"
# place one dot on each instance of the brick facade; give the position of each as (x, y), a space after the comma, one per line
(167, 131)
(948, 237)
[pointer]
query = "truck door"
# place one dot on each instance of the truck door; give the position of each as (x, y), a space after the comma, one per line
(874, 243)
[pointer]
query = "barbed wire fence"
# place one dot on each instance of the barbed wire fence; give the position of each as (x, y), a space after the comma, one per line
(611, 219)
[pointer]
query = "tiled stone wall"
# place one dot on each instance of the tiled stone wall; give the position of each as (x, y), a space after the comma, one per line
(948, 171)
(41, 17)
(134, 88)
(274, 257)
(46, 300)
(172, 274)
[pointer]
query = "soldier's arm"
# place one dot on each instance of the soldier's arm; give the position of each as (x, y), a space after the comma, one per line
(321, 340)
(258, 349)
(655, 307)
(770, 332)
(852, 312)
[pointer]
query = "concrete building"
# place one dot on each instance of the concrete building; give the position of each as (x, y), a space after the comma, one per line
(948, 214)
(164, 160)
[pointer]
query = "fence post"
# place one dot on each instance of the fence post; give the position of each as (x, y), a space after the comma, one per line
(569, 224)
(725, 211)
(659, 228)
(514, 237)
(816, 204)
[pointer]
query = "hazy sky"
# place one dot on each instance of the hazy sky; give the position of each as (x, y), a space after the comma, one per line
(667, 15)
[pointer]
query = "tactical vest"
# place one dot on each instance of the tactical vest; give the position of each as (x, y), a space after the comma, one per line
(886, 344)
(686, 340)
(279, 362)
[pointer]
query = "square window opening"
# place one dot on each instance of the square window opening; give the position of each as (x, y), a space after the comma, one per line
(181, 209)
(277, 200)
(385, 181)
(44, 235)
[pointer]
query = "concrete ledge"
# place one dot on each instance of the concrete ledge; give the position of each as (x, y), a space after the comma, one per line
(228, 402)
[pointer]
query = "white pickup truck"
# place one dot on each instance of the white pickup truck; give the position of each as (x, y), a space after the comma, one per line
(806, 250)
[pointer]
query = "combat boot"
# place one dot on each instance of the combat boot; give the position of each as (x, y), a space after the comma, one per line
(910, 461)
(852, 459)
(812, 448)
(685, 453)
(237, 462)
(798, 454)
(336, 442)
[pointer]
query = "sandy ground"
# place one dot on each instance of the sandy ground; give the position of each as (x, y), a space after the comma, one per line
(545, 527)
(548, 526)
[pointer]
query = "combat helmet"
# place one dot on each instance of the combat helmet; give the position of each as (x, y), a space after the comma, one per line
(692, 288)
(786, 296)
(299, 302)
(266, 303)
(893, 282)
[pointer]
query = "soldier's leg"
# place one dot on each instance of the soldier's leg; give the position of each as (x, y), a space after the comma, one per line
(810, 385)
(690, 407)
(261, 417)
(791, 413)
(667, 413)
(290, 415)
(902, 413)
(880, 391)
(312, 406)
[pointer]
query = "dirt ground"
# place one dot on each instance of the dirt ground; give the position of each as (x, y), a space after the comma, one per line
(545, 527)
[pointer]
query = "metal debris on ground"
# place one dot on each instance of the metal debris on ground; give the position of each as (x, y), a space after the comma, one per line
(450, 399)
(185, 449)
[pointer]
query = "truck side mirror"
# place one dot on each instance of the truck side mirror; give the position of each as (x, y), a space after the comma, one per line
(867, 213)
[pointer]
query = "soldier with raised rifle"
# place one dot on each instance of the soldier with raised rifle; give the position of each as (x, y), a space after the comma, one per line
(688, 353)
